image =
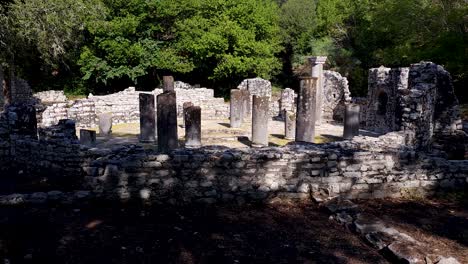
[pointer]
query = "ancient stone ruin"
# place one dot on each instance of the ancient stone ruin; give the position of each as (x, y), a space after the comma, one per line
(418, 100)
(414, 109)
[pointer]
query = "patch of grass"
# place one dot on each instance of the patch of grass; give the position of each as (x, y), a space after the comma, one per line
(75, 97)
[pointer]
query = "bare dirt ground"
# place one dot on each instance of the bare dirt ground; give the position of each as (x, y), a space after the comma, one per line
(441, 223)
(275, 233)
(166, 234)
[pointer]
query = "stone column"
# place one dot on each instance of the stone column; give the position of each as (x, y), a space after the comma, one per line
(289, 124)
(306, 106)
(351, 121)
(88, 137)
(317, 72)
(168, 83)
(185, 105)
(147, 118)
(246, 105)
(260, 118)
(236, 108)
(167, 121)
(105, 124)
(192, 116)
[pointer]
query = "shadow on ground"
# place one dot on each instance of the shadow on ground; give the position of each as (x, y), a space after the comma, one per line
(168, 234)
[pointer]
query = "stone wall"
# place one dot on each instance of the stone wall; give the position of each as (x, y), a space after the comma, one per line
(124, 107)
(384, 85)
(51, 96)
(21, 92)
(335, 95)
(362, 168)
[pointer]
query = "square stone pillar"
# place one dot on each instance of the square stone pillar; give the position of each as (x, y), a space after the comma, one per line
(246, 105)
(236, 108)
(105, 124)
(192, 116)
(306, 109)
(147, 118)
(289, 124)
(168, 82)
(185, 105)
(167, 122)
(260, 116)
(317, 72)
(88, 137)
(351, 121)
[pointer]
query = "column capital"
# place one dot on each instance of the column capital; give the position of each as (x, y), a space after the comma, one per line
(314, 60)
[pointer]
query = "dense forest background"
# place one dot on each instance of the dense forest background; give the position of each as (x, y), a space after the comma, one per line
(102, 46)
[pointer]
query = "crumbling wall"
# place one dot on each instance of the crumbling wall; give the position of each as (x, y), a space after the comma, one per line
(383, 103)
(21, 92)
(124, 107)
(51, 96)
(431, 115)
(256, 86)
(362, 168)
(335, 95)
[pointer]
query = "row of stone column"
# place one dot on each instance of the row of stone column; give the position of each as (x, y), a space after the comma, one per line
(298, 127)
(162, 119)
(242, 108)
(307, 114)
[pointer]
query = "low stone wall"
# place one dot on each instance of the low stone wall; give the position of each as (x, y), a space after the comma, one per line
(362, 168)
(51, 96)
(124, 107)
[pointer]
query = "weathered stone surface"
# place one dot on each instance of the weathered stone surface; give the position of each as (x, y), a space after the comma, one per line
(192, 127)
(317, 72)
(407, 252)
(168, 83)
(449, 260)
(147, 118)
(105, 124)
(246, 105)
(289, 125)
(288, 101)
(236, 110)
(382, 98)
(51, 96)
(351, 121)
(306, 111)
(256, 86)
(260, 121)
(167, 122)
(336, 95)
(87, 137)
(337, 205)
(185, 106)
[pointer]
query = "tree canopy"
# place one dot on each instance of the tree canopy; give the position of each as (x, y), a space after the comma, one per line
(96, 45)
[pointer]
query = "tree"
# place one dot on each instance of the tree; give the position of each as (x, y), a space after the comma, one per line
(228, 39)
(128, 44)
(45, 34)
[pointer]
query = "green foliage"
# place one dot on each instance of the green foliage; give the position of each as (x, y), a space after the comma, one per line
(228, 39)
(53, 27)
(220, 39)
(96, 45)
